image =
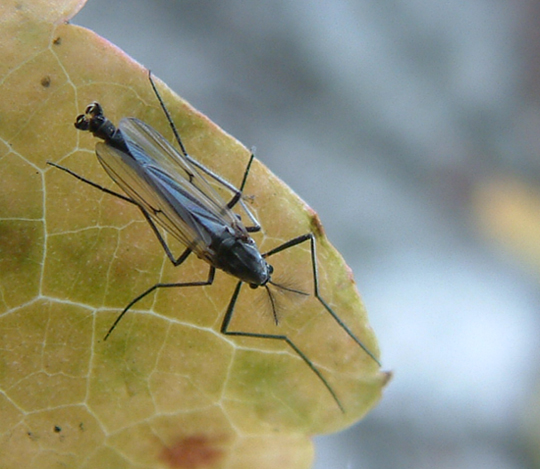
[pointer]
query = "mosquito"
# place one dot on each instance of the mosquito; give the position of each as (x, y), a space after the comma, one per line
(171, 190)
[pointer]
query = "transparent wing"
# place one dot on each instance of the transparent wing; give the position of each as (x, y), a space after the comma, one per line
(171, 190)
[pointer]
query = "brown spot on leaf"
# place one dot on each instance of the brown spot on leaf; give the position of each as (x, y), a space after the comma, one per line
(387, 377)
(350, 275)
(316, 226)
(57, 41)
(194, 452)
(46, 81)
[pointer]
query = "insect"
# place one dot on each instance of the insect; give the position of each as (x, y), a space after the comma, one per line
(172, 191)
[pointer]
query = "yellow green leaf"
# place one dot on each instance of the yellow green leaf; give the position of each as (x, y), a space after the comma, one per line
(166, 390)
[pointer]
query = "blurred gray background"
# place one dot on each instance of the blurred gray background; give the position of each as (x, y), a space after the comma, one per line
(384, 115)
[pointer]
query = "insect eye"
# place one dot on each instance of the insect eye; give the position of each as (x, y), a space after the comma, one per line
(81, 123)
(94, 109)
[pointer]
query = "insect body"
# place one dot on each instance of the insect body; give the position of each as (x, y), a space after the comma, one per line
(171, 190)
(173, 193)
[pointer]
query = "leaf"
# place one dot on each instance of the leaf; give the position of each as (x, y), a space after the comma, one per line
(166, 389)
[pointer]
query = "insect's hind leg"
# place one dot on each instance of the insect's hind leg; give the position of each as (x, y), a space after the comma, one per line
(237, 192)
(208, 281)
(175, 261)
(311, 238)
(167, 115)
(91, 183)
(225, 330)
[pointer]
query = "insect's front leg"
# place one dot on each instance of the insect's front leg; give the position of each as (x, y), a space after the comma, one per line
(225, 330)
(311, 238)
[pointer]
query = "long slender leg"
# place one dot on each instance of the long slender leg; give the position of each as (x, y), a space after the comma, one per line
(311, 238)
(167, 115)
(238, 197)
(175, 261)
(237, 192)
(93, 184)
(208, 281)
(225, 330)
